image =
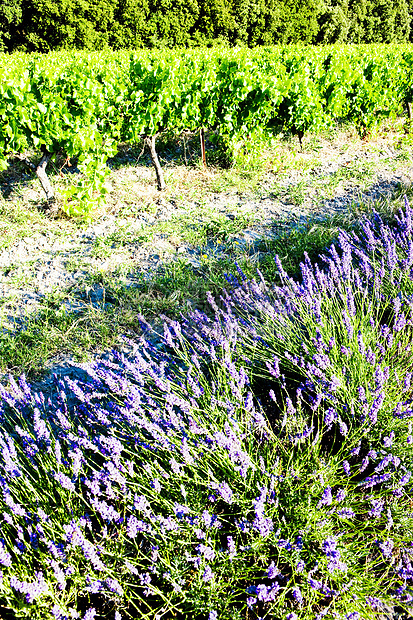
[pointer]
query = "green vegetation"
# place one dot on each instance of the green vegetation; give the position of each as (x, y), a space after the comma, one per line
(45, 25)
(113, 285)
(71, 323)
(253, 462)
(250, 456)
(80, 107)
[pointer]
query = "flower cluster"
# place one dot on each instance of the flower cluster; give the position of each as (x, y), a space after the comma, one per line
(259, 458)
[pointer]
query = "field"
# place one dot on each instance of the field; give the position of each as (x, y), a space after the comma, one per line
(227, 430)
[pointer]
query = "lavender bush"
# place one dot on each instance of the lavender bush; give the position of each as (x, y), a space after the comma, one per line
(257, 463)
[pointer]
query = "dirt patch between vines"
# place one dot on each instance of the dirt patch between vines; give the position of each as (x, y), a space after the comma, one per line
(140, 229)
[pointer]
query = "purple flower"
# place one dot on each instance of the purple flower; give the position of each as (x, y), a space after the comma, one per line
(377, 508)
(207, 574)
(209, 520)
(90, 614)
(343, 427)
(272, 571)
(176, 467)
(333, 555)
(300, 566)
(375, 603)
(371, 481)
(316, 402)
(145, 580)
(180, 510)
(169, 524)
(263, 525)
(132, 527)
(340, 495)
(106, 511)
(251, 601)
(364, 464)
(39, 426)
(224, 491)
(348, 324)
(59, 574)
(95, 586)
(213, 615)
(274, 368)
(350, 303)
(188, 458)
(334, 384)
(141, 503)
(346, 513)
(387, 441)
(291, 616)
(64, 481)
(207, 552)
(132, 569)
(362, 347)
(156, 485)
(313, 583)
(370, 356)
(266, 594)
(346, 467)
(32, 590)
(329, 416)
(113, 585)
(386, 547)
(296, 592)
(232, 550)
(5, 557)
(376, 406)
(58, 613)
(329, 545)
(326, 498)
(400, 323)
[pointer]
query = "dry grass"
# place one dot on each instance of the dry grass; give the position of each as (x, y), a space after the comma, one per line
(185, 237)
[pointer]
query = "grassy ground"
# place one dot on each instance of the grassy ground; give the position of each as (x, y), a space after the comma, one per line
(190, 236)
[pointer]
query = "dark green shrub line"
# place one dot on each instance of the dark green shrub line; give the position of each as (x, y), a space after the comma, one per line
(28, 25)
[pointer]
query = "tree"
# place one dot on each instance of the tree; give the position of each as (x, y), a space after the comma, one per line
(254, 21)
(10, 21)
(215, 21)
(55, 24)
(298, 21)
(386, 21)
(402, 21)
(171, 21)
(334, 23)
(130, 24)
(357, 11)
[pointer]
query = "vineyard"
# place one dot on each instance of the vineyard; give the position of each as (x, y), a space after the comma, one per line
(226, 432)
(85, 104)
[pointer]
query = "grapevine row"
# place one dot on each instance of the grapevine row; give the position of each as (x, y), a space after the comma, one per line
(85, 104)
